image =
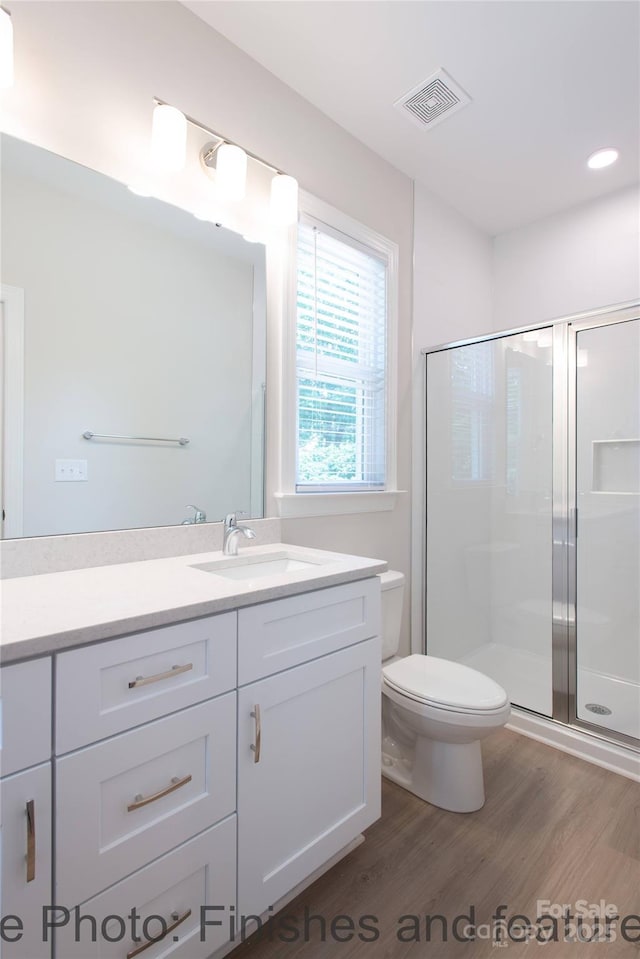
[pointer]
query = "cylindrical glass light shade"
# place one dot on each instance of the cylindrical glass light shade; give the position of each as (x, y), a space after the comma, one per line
(6, 50)
(284, 200)
(168, 138)
(231, 172)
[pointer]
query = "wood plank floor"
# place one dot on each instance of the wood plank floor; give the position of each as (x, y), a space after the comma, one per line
(553, 828)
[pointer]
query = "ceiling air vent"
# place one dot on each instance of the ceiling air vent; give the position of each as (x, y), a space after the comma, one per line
(433, 100)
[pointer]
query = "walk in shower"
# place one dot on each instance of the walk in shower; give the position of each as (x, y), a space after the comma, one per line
(533, 517)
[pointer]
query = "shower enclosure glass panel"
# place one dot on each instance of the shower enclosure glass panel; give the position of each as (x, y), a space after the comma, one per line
(608, 527)
(489, 511)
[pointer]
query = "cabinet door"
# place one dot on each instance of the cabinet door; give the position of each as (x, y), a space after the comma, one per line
(25, 827)
(312, 782)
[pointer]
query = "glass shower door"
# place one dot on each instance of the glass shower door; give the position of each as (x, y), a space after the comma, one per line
(489, 511)
(606, 670)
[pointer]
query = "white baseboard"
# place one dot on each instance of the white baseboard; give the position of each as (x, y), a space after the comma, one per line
(612, 756)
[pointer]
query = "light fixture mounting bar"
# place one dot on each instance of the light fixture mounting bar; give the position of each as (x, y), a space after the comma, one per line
(222, 139)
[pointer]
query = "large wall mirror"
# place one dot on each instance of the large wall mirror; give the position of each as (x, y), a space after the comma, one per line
(126, 317)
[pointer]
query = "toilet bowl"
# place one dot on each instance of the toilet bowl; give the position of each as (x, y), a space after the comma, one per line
(435, 712)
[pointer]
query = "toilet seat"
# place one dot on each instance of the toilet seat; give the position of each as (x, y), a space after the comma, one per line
(445, 685)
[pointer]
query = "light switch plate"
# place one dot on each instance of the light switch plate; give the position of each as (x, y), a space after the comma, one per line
(71, 471)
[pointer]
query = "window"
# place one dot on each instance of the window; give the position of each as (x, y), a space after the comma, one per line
(337, 389)
(342, 295)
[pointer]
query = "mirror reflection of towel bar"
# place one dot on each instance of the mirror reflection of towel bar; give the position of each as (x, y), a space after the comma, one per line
(89, 435)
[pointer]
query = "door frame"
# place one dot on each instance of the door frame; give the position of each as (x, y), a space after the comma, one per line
(12, 426)
(609, 318)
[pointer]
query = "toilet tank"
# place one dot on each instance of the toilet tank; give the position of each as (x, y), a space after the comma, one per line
(392, 586)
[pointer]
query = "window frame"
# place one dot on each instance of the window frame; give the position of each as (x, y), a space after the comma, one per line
(289, 501)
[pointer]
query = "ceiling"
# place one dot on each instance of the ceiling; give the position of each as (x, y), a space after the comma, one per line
(550, 82)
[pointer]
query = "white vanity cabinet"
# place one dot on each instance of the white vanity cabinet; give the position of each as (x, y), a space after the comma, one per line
(215, 764)
(308, 736)
(25, 806)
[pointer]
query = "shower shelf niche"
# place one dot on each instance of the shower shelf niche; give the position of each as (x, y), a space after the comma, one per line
(616, 466)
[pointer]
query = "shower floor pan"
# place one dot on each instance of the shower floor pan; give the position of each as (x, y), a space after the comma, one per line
(527, 680)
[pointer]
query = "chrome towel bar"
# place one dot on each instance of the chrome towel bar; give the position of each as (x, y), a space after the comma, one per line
(89, 435)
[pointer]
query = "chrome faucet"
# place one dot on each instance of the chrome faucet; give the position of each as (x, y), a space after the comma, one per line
(199, 515)
(231, 530)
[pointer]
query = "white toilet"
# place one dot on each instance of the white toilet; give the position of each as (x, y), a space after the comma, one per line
(434, 714)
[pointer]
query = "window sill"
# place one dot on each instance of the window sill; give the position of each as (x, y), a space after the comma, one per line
(292, 505)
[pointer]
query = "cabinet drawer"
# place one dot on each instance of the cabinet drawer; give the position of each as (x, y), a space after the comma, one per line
(284, 633)
(25, 828)
(25, 715)
(126, 801)
(200, 873)
(110, 687)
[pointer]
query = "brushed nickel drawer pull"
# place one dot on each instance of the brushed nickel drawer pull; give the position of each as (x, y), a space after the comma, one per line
(31, 840)
(150, 942)
(258, 743)
(141, 801)
(146, 680)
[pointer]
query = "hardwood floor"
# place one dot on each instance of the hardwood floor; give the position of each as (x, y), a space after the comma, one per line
(553, 828)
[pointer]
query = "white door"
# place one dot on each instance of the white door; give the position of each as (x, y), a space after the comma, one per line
(308, 769)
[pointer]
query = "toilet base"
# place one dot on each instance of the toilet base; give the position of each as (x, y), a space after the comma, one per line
(448, 775)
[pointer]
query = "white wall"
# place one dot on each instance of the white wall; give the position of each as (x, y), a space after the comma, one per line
(467, 284)
(583, 259)
(128, 329)
(86, 74)
(452, 274)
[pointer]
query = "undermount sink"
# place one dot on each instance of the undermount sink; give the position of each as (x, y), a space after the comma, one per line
(250, 567)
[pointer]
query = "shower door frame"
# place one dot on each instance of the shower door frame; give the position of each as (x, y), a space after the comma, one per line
(564, 640)
(575, 326)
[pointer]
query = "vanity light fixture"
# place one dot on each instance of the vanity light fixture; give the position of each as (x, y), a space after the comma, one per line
(231, 172)
(224, 162)
(602, 158)
(168, 138)
(6, 49)
(284, 200)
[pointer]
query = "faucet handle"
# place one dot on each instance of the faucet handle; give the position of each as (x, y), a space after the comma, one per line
(199, 514)
(231, 519)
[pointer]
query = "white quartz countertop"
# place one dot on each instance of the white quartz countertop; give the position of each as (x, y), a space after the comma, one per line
(55, 611)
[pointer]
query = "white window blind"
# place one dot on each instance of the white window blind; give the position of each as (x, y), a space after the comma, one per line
(340, 362)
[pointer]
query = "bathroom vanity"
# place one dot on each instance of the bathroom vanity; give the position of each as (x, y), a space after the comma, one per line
(212, 737)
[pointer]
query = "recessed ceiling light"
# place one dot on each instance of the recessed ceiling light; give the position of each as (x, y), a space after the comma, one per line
(602, 158)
